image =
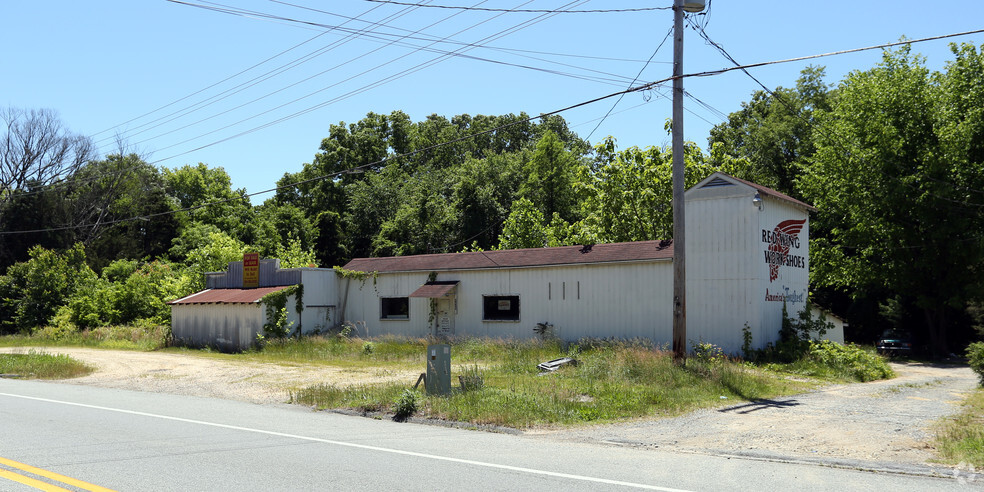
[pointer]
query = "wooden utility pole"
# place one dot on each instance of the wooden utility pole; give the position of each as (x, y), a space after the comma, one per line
(679, 237)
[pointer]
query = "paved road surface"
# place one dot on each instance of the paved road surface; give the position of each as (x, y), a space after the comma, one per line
(126, 440)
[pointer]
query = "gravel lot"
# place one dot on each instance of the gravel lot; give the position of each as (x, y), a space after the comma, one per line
(188, 374)
(887, 422)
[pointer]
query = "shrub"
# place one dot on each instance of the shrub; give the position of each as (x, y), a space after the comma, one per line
(851, 360)
(708, 352)
(472, 379)
(975, 357)
(278, 327)
(406, 405)
(32, 291)
(368, 348)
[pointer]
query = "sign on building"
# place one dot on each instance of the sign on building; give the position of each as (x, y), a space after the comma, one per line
(251, 270)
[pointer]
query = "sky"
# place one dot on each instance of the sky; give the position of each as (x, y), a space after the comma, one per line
(256, 90)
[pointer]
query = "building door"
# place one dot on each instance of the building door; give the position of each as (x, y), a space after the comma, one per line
(444, 317)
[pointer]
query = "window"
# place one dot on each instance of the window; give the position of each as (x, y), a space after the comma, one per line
(500, 308)
(394, 308)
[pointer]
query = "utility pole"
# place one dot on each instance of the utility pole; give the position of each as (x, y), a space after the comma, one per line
(679, 184)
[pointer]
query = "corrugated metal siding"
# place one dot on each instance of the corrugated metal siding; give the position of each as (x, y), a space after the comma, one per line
(721, 276)
(230, 327)
(624, 301)
(271, 275)
(320, 299)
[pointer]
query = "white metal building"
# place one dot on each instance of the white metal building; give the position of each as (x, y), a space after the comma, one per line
(747, 255)
(229, 317)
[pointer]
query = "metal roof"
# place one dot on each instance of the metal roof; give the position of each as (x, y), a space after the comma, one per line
(228, 296)
(437, 288)
(516, 258)
(767, 191)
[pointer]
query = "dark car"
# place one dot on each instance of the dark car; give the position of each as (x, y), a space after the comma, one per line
(894, 343)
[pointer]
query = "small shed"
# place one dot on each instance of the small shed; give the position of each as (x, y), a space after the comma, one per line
(228, 319)
(229, 316)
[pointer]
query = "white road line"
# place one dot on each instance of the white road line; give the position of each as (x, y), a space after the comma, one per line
(531, 471)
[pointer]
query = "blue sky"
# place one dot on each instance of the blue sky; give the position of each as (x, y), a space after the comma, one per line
(183, 85)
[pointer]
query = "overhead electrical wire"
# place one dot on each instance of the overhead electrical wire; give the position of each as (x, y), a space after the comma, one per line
(660, 45)
(373, 84)
(644, 87)
(352, 34)
(496, 48)
(973, 207)
(352, 170)
(523, 11)
(75, 181)
(213, 99)
(363, 167)
(363, 33)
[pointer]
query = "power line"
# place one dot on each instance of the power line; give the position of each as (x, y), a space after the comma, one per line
(353, 170)
(643, 87)
(364, 88)
(668, 32)
(220, 8)
(496, 48)
(364, 33)
(352, 33)
(838, 141)
(189, 109)
(523, 11)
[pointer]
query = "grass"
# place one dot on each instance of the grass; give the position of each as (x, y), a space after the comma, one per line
(612, 382)
(960, 439)
(40, 365)
(108, 337)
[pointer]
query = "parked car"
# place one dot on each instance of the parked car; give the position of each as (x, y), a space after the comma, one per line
(894, 343)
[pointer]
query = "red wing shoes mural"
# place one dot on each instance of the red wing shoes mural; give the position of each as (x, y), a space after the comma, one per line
(780, 239)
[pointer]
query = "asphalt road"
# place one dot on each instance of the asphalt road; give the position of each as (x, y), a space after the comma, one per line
(125, 440)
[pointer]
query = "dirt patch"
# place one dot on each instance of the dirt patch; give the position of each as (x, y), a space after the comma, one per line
(882, 421)
(187, 374)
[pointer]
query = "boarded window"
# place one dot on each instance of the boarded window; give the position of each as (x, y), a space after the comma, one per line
(394, 308)
(500, 308)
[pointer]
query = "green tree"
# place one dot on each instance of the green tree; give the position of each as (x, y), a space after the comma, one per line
(774, 131)
(897, 179)
(483, 190)
(110, 194)
(524, 228)
(551, 174)
(208, 192)
(212, 255)
(629, 197)
(32, 291)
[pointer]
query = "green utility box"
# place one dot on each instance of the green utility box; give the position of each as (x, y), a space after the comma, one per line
(438, 380)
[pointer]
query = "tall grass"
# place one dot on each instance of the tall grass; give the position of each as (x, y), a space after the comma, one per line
(40, 365)
(611, 382)
(124, 337)
(960, 439)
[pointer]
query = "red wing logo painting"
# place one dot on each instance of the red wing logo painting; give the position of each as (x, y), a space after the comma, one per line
(780, 239)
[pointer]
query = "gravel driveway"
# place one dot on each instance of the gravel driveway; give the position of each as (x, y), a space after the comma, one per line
(880, 425)
(876, 425)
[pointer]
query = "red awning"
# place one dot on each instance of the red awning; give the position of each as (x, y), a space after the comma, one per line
(229, 296)
(439, 288)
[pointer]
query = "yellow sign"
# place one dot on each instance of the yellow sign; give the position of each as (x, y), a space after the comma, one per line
(251, 270)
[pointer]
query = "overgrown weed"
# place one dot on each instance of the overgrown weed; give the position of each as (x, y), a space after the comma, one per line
(37, 364)
(960, 438)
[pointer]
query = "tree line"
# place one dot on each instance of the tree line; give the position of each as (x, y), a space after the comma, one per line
(891, 156)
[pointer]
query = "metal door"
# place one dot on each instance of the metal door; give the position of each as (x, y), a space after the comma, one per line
(444, 317)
